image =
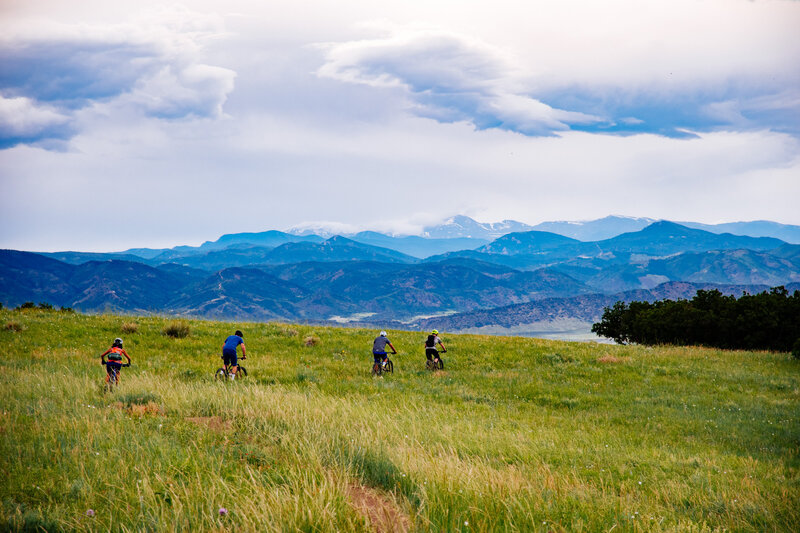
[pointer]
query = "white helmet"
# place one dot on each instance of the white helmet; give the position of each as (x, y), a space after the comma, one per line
(383, 333)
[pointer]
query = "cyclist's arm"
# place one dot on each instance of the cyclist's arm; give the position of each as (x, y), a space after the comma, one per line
(442, 345)
(103, 356)
(392, 347)
(244, 353)
(126, 356)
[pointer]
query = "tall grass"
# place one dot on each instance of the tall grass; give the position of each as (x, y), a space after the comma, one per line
(515, 434)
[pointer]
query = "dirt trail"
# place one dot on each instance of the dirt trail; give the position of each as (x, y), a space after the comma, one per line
(213, 423)
(382, 513)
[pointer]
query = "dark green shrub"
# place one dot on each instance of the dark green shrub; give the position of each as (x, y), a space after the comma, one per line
(44, 306)
(796, 349)
(27, 305)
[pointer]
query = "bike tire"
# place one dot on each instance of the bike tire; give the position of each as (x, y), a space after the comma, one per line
(220, 374)
(429, 365)
(376, 369)
(113, 381)
(241, 372)
(441, 364)
(389, 367)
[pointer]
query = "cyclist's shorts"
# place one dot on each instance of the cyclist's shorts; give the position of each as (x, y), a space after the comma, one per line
(229, 357)
(115, 365)
(431, 353)
(379, 356)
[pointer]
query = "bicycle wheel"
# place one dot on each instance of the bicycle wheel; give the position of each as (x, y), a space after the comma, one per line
(441, 364)
(376, 369)
(389, 367)
(112, 380)
(220, 374)
(241, 372)
(429, 365)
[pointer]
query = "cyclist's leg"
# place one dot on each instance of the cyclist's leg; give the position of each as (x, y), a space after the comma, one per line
(230, 363)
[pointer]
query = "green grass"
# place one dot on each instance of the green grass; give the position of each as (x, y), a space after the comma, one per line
(515, 435)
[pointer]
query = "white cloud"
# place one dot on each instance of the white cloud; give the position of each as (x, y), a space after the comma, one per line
(22, 118)
(152, 65)
(448, 77)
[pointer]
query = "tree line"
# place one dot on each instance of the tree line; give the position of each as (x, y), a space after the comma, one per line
(765, 321)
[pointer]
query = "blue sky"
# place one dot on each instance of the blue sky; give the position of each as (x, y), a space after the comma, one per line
(129, 124)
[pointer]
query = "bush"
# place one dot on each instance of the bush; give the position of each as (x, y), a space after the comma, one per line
(177, 329)
(45, 306)
(796, 349)
(130, 327)
(27, 305)
(311, 341)
(66, 309)
(769, 320)
(14, 326)
(289, 332)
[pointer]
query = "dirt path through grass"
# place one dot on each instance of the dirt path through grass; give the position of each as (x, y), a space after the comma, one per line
(381, 512)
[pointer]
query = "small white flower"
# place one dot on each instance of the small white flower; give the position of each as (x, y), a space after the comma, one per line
(466, 523)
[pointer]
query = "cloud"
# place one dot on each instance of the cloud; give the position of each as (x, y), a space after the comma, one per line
(153, 67)
(627, 82)
(22, 120)
(450, 78)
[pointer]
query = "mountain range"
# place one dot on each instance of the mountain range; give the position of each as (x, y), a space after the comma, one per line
(482, 271)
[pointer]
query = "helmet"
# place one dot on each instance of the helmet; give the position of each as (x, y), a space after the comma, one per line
(435, 332)
(118, 342)
(383, 333)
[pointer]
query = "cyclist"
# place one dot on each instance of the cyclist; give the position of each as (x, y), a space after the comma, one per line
(229, 353)
(431, 353)
(114, 362)
(379, 349)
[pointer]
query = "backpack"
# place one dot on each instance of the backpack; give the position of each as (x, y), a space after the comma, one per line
(431, 342)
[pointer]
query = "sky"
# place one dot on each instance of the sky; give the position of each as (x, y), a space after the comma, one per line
(152, 124)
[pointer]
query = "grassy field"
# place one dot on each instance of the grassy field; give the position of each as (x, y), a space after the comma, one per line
(514, 435)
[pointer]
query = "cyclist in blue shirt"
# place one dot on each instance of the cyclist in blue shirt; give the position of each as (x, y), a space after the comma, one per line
(229, 352)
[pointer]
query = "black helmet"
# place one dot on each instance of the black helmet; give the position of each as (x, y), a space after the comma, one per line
(238, 333)
(117, 342)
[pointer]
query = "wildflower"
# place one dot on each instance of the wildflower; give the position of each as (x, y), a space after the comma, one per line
(640, 483)
(223, 511)
(90, 513)
(466, 522)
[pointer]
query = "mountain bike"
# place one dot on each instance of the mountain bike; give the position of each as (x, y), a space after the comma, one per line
(437, 363)
(113, 375)
(386, 366)
(222, 372)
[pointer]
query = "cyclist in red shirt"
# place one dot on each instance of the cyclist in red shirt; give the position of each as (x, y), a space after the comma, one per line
(114, 354)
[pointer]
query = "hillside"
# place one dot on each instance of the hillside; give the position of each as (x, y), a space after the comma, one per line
(586, 308)
(514, 435)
